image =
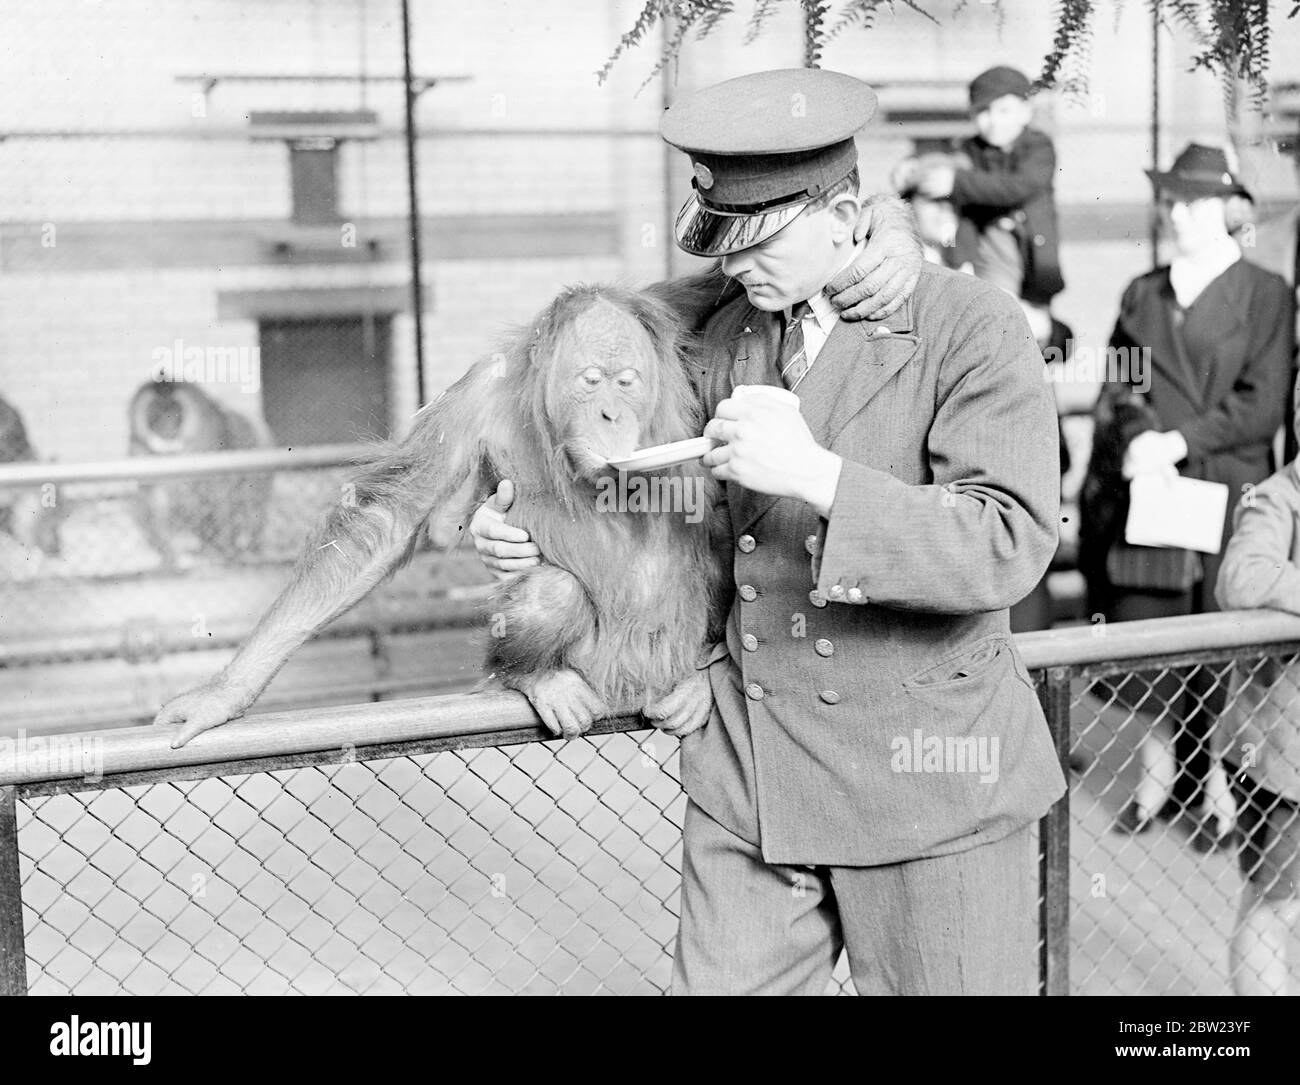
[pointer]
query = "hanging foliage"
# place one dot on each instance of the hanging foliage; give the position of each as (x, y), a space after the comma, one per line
(814, 31)
(1232, 35)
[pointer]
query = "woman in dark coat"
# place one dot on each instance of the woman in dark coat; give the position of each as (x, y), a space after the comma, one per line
(1214, 337)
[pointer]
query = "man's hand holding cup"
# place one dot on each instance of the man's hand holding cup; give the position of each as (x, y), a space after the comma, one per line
(768, 448)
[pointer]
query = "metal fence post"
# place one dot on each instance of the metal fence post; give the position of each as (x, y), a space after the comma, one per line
(1054, 837)
(13, 950)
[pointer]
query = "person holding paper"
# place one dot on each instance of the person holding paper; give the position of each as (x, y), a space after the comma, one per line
(1203, 350)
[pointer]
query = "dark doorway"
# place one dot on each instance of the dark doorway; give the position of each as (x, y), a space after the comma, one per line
(325, 380)
(313, 171)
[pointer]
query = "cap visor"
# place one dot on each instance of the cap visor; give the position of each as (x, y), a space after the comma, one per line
(711, 233)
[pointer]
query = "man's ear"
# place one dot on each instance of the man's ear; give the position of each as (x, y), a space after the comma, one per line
(844, 213)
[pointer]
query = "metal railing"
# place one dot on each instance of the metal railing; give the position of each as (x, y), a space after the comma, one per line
(137, 515)
(112, 593)
(181, 466)
(448, 844)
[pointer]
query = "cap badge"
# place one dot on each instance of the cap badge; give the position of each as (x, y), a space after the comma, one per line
(703, 175)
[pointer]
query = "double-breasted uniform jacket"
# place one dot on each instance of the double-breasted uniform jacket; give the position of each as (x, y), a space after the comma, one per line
(856, 642)
(1018, 184)
(1225, 392)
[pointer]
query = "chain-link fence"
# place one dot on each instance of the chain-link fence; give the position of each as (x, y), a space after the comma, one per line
(544, 868)
(1175, 819)
(92, 531)
(1181, 748)
(158, 567)
(439, 846)
(530, 869)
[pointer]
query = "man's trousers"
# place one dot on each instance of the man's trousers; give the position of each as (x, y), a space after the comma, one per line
(963, 924)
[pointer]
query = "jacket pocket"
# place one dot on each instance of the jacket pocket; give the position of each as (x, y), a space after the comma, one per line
(966, 665)
(958, 751)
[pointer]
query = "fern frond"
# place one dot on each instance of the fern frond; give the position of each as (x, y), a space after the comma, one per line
(686, 20)
(814, 31)
(763, 10)
(1069, 44)
(653, 11)
(859, 13)
(1185, 12)
(921, 11)
(713, 12)
(1237, 48)
(1232, 36)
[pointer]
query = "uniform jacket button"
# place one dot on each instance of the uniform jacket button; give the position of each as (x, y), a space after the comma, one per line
(829, 696)
(749, 642)
(748, 592)
(855, 595)
(746, 544)
(837, 592)
(816, 598)
(810, 544)
(824, 647)
(755, 692)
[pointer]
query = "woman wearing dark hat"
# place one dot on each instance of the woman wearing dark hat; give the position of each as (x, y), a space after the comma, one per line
(1209, 340)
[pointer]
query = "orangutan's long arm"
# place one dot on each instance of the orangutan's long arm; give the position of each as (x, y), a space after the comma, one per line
(368, 534)
(351, 551)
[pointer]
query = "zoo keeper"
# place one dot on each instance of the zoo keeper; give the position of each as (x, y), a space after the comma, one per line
(875, 755)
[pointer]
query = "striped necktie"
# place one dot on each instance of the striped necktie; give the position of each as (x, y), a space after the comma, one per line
(794, 351)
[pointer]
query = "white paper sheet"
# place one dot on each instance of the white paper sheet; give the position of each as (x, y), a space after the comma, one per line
(1169, 510)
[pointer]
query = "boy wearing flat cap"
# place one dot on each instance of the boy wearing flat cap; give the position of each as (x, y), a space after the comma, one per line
(875, 755)
(1004, 198)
